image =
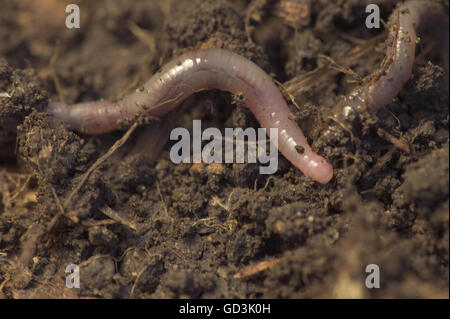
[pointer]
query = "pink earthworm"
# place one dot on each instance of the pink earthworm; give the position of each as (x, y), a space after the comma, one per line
(196, 71)
(428, 18)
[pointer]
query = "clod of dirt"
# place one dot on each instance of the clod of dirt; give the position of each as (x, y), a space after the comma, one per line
(24, 92)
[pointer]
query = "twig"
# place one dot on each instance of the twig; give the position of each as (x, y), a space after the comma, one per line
(395, 141)
(17, 193)
(100, 161)
(344, 127)
(60, 213)
(286, 91)
(162, 199)
(61, 92)
(144, 36)
(257, 268)
(334, 65)
(253, 12)
(217, 202)
(118, 217)
(94, 222)
(29, 245)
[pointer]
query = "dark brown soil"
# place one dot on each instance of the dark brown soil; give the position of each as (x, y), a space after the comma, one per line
(143, 227)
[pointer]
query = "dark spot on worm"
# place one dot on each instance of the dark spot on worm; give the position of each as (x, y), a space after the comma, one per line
(299, 149)
(179, 63)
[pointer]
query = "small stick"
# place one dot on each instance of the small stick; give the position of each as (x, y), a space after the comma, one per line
(100, 161)
(395, 141)
(118, 217)
(61, 92)
(257, 268)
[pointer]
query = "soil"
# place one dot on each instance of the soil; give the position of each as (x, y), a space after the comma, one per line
(140, 226)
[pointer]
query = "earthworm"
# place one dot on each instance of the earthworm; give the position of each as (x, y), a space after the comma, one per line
(428, 19)
(196, 71)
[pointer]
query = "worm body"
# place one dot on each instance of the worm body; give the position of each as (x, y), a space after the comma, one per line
(196, 71)
(428, 19)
